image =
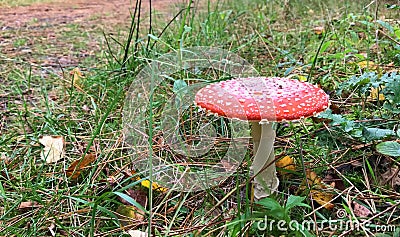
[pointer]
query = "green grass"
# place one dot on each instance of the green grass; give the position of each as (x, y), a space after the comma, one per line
(277, 37)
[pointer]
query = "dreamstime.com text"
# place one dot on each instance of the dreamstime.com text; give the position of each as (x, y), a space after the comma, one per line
(329, 224)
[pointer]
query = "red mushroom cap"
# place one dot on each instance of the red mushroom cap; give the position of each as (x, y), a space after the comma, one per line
(262, 99)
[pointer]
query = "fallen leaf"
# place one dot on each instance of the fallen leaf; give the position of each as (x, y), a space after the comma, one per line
(53, 149)
(319, 30)
(146, 183)
(131, 212)
(286, 163)
(319, 191)
(28, 204)
(376, 94)
(137, 233)
(77, 77)
(313, 180)
(334, 181)
(367, 65)
(138, 195)
(5, 158)
(360, 210)
(323, 198)
(302, 78)
(74, 170)
(391, 176)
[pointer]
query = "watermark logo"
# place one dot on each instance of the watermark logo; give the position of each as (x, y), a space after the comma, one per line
(339, 224)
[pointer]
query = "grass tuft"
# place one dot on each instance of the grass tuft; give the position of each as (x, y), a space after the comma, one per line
(72, 79)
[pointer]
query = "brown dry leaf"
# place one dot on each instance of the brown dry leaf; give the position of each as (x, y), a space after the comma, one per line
(53, 150)
(74, 170)
(131, 212)
(360, 210)
(137, 233)
(319, 30)
(391, 176)
(334, 181)
(53, 95)
(323, 198)
(5, 158)
(319, 190)
(28, 204)
(228, 166)
(139, 195)
(313, 180)
(286, 163)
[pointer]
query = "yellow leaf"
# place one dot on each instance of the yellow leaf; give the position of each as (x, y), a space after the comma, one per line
(313, 179)
(323, 198)
(302, 78)
(298, 76)
(53, 149)
(376, 94)
(146, 183)
(131, 212)
(286, 163)
(367, 65)
(74, 170)
(319, 191)
(77, 77)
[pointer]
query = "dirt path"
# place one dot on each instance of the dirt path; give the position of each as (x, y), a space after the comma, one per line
(58, 34)
(59, 12)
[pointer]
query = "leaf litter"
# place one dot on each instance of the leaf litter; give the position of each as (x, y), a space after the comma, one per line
(76, 167)
(53, 150)
(319, 191)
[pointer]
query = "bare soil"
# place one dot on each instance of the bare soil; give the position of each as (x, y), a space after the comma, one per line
(74, 11)
(63, 34)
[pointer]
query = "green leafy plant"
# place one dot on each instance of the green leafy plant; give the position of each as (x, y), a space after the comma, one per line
(386, 107)
(280, 212)
(389, 148)
(277, 212)
(387, 85)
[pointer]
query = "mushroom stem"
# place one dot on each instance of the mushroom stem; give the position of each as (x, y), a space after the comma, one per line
(266, 181)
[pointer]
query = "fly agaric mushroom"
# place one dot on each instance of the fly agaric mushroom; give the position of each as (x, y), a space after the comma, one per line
(263, 101)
